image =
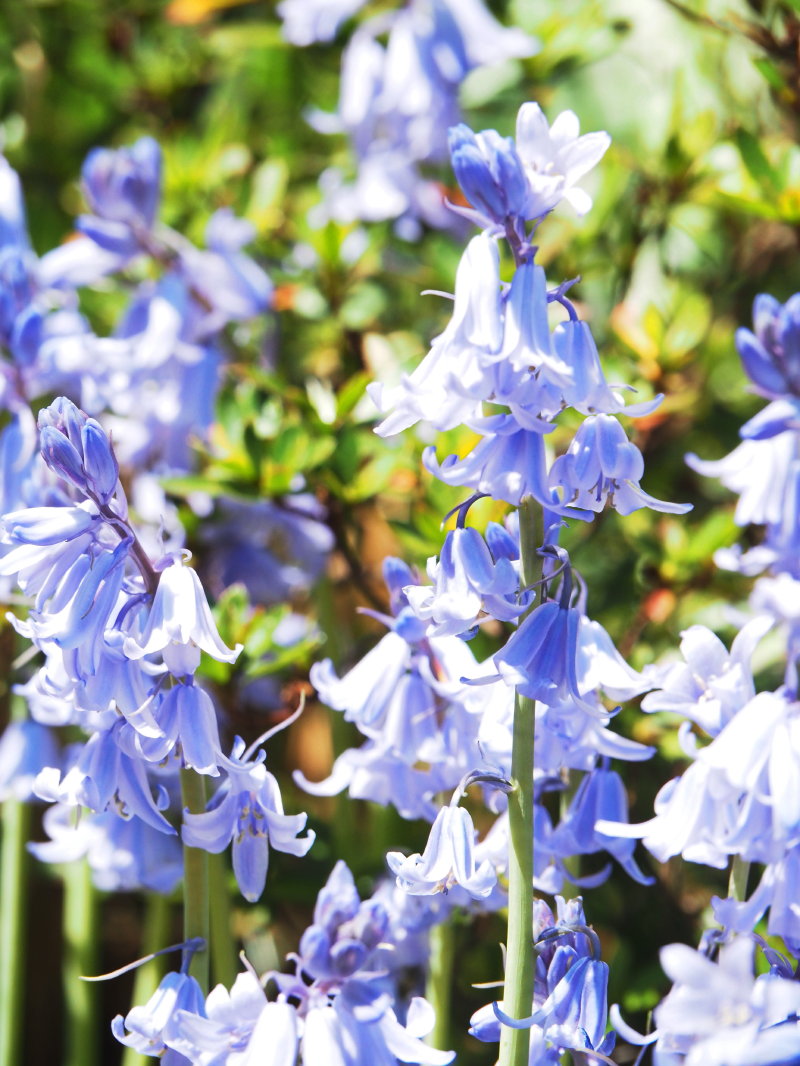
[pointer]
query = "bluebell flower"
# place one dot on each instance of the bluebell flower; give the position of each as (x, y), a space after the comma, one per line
(739, 797)
(555, 158)
(776, 891)
(66, 559)
(540, 657)
(448, 859)
(761, 472)
(569, 1006)
(712, 684)
(231, 283)
(601, 794)
(338, 1006)
(185, 715)
(22, 320)
(586, 388)
(377, 772)
(345, 932)
(398, 101)
(352, 1036)
(123, 188)
(717, 1014)
(247, 810)
(18, 460)
(407, 697)
(26, 748)
(13, 224)
(468, 580)
(489, 172)
(275, 548)
(148, 1028)
(602, 465)
(103, 777)
(771, 353)
(307, 21)
(227, 1024)
(179, 623)
(507, 464)
(123, 854)
(448, 385)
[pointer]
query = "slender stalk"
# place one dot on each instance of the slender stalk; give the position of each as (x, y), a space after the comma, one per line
(224, 957)
(518, 991)
(440, 982)
(196, 920)
(13, 916)
(573, 863)
(80, 959)
(156, 935)
(737, 885)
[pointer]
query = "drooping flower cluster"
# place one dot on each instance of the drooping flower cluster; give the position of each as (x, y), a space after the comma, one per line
(341, 1004)
(397, 100)
(434, 718)
(152, 384)
(739, 799)
(122, 638)
(739, 796)
(570, 1007)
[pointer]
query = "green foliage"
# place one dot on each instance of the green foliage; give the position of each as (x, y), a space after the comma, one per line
(697, 209)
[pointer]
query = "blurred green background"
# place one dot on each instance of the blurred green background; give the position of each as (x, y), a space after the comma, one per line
(696, 210)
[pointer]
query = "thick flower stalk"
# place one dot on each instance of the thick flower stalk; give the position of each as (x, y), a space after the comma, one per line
(499, 369)
(123, 638)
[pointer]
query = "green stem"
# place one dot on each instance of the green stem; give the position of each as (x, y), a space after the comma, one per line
(156, 935)
(518, 990)
(80, 960)
(196, 921)
(13, 914)
(224, 957)
(737, 885)
(440, 982)
(573, 863)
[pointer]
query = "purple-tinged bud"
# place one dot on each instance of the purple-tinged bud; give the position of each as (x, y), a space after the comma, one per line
(347, 956)
(771, 355)
(77, 449)
(64, 416)
(26, 336)
(124, 185)
(489, 172)
(338, 900)
(62, 457)
(370, 924)
(99, 460)
(315, 948)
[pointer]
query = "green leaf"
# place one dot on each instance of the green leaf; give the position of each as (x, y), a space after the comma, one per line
(350, 393)
(371, 479)
(769, 71)
(758, 166)
(293, 452)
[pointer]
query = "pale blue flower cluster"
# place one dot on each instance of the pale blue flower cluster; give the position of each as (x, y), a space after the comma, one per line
(435, 719)
(570, 997)
(119, 616)
(398, 99)
(122, 637)
(341, 1004)
(739, 798)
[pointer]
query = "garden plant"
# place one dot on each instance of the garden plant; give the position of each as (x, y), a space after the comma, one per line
(400, 533)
